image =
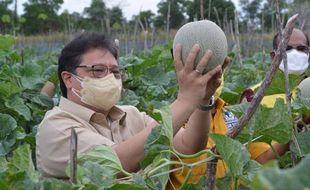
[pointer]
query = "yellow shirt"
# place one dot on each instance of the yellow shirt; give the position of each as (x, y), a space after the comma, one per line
(93, 129)
(218, 125)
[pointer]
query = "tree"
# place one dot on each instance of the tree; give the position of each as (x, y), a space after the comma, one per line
(146, 17)
(116, 17)
(41, 16)
(218, 10)
(96, 14)
(177, 10)
(5, 16)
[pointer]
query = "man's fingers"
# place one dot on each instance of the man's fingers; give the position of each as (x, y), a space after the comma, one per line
(177, 58)
(204, 60)
(190, 60)
(216, 73)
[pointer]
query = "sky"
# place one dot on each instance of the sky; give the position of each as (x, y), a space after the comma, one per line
(129, 7)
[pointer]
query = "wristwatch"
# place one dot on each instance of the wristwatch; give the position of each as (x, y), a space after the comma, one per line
(208, 107)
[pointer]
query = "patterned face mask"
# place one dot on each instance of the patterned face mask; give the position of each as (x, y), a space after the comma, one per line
(101, 93)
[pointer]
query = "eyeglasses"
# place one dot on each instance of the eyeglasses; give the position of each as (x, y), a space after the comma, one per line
(298, 48)
(100, 71)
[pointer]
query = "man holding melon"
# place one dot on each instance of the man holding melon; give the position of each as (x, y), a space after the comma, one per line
(91, 87)
(222, 120)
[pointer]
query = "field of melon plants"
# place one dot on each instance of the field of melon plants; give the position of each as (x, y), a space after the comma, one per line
(150, 85)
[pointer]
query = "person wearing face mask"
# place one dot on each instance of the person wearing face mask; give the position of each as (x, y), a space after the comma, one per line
(222, 122)
(90, 82)
(298, 65)
(297, 61)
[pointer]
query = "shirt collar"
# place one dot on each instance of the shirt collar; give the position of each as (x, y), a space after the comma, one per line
(116, 113)
(76, 109)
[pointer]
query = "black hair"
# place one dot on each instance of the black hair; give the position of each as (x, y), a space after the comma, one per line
(72, 53)
(276, 38)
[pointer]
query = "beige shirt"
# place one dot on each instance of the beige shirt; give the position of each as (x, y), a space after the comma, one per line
(93, 129)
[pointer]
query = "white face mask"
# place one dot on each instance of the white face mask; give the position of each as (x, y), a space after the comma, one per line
(297, 62)
(102, 93)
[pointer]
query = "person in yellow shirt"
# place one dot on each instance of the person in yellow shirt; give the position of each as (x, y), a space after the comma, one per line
(222, 121)
(297, 61)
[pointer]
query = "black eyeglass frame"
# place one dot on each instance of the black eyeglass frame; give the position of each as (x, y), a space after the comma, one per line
(117, 72)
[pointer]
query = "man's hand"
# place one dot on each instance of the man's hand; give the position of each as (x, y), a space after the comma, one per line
(194, 87)
(215, 82)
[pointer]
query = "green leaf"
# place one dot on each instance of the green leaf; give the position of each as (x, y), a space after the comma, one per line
(194, 186)
(271, 124)
(273, 177)
(6, 42)
(98, 175)
(18, 105)
(9, 133)
(3, 164)
(138, 179)
(224, 182)
(160, 138)
(274, 124)
(238, 109)
(43, 100)
(4, 185)
(9, 88)
(303, 140)
(21, 161)
(31, 75)
(301, 104)
(127, 187)
(277, 85)
(56, 184)
(8, 124)
(104, 156)
(233, 153)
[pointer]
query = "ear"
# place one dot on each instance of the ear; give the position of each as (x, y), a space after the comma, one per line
(66, 78)
(272, 54)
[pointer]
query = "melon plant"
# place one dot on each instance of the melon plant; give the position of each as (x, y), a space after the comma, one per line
(304, 87)
(208, 35)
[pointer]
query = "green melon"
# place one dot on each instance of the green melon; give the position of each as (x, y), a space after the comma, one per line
(304, 87)
(208, 35)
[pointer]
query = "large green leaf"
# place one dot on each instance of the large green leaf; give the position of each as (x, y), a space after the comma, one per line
(233, 153)
(7, 133)
(303, 140)
(127, 187)
(43, 100)
(9, 88)
(3, 164)
(273, 124)
(56, 184)
(98, 175)
(6, 42)
(160, 138)
(18, 105)
(21, 161)
(8, 124)
(301, 104)
(268, 124)
(104, 156)
(277, 85)
(273, 177)
(157, 146)
(30, 75)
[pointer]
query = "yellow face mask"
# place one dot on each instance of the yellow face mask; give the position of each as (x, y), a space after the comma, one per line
(219, 89)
